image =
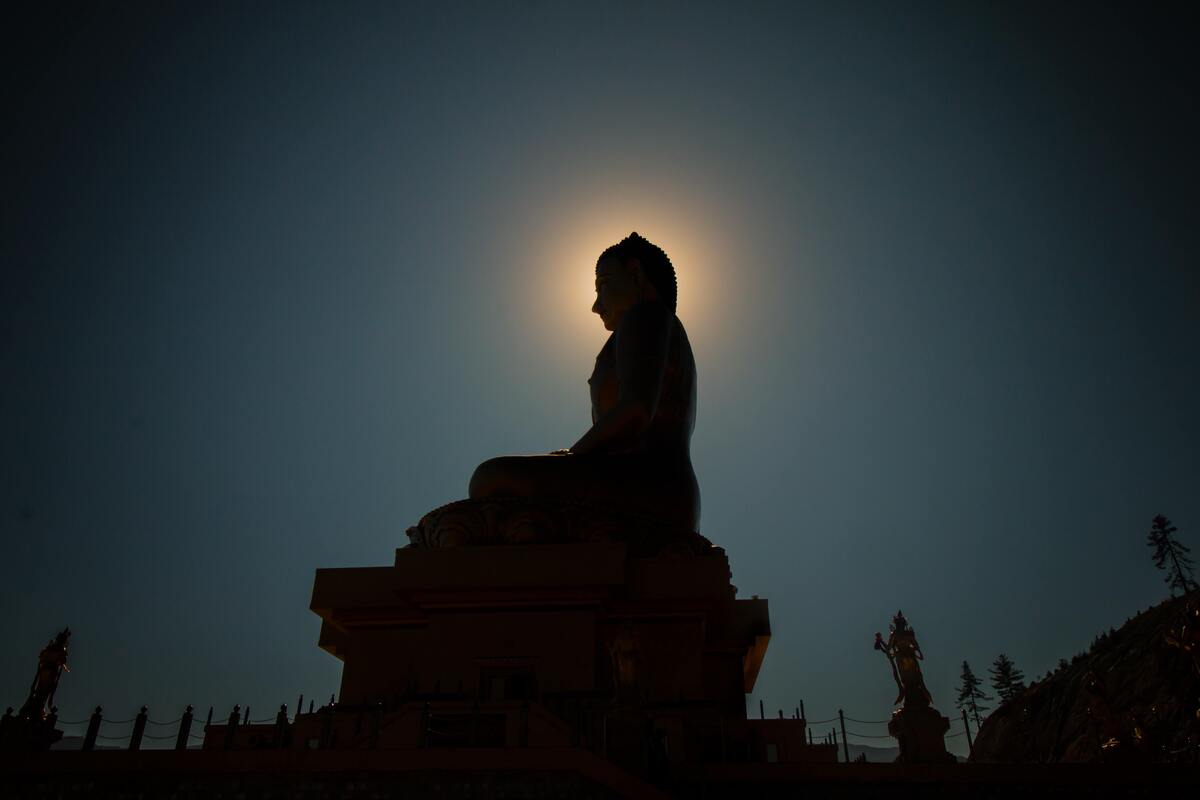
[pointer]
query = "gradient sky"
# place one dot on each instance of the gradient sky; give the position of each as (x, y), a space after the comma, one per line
(277, 277)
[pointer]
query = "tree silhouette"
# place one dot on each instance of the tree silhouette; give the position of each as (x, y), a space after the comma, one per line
(1007, 680)
(1171, 555)
(970, 695)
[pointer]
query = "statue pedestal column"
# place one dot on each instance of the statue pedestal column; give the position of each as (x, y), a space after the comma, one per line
(921, 732)
(28, 733)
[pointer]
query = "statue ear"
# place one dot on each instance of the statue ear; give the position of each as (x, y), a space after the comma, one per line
(639, 275)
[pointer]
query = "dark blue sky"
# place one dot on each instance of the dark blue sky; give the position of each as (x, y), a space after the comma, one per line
(276, 277)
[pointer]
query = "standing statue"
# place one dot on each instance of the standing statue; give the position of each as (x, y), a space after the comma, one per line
(918, 727)
(635, 458)
(903, 653)
(51, 663)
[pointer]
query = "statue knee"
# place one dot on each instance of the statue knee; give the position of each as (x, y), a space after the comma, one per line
(488, 479)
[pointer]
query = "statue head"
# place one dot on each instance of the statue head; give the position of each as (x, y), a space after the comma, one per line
(632, 271)
(899, 623)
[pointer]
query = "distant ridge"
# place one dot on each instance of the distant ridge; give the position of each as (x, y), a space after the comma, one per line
(76, 743)
(1146, 699)
(876, 755)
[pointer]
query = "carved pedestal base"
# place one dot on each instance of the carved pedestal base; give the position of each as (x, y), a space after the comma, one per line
(539, 625)
(20, 733)
(921, 732)
(509, 521)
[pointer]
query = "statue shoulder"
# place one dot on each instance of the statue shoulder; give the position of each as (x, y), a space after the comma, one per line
(653, 312)
(645, 320)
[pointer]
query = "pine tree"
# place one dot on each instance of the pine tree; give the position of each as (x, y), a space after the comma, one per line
(1007, 680)
(971, 696)
(1171, 555)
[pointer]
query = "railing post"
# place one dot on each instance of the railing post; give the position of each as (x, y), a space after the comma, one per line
(967, 727)
(802, 714)
(835, 741)
(327, 727)
(235, 717)
(845, 741)
(93, 729)
(761, 713)
(279, 739)
(185, 729)
(376, 725)
(299, 705)
(139, 727)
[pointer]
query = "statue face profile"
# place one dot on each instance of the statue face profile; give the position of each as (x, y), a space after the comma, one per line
(619, 287)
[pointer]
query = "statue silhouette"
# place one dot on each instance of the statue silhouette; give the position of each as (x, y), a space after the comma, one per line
(636, 456)
(52, 661)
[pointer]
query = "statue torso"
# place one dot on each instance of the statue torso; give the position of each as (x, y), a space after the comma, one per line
(670, 430)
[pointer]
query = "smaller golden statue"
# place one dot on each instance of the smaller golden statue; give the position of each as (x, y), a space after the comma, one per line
(919, 728)
(51, 663)
(903, 653)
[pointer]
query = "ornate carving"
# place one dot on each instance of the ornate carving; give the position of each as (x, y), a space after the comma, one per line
(517, 521)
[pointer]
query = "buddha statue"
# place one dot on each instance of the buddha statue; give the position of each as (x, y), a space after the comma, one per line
(635, 458)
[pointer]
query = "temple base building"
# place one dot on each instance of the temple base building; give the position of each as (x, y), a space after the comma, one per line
(633, 649)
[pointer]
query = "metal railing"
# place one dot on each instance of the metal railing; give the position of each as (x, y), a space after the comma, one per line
(960, 726)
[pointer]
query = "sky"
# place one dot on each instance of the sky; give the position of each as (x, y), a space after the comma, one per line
(276, 277)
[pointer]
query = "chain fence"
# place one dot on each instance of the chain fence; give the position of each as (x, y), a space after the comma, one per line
(98, 728)
(841, 736)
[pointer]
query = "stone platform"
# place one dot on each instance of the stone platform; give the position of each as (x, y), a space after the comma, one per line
(506, 625)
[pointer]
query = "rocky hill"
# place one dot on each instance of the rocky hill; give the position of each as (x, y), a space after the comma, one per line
(1134, 696)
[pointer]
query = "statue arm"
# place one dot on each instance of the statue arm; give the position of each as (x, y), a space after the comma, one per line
(641, 354)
